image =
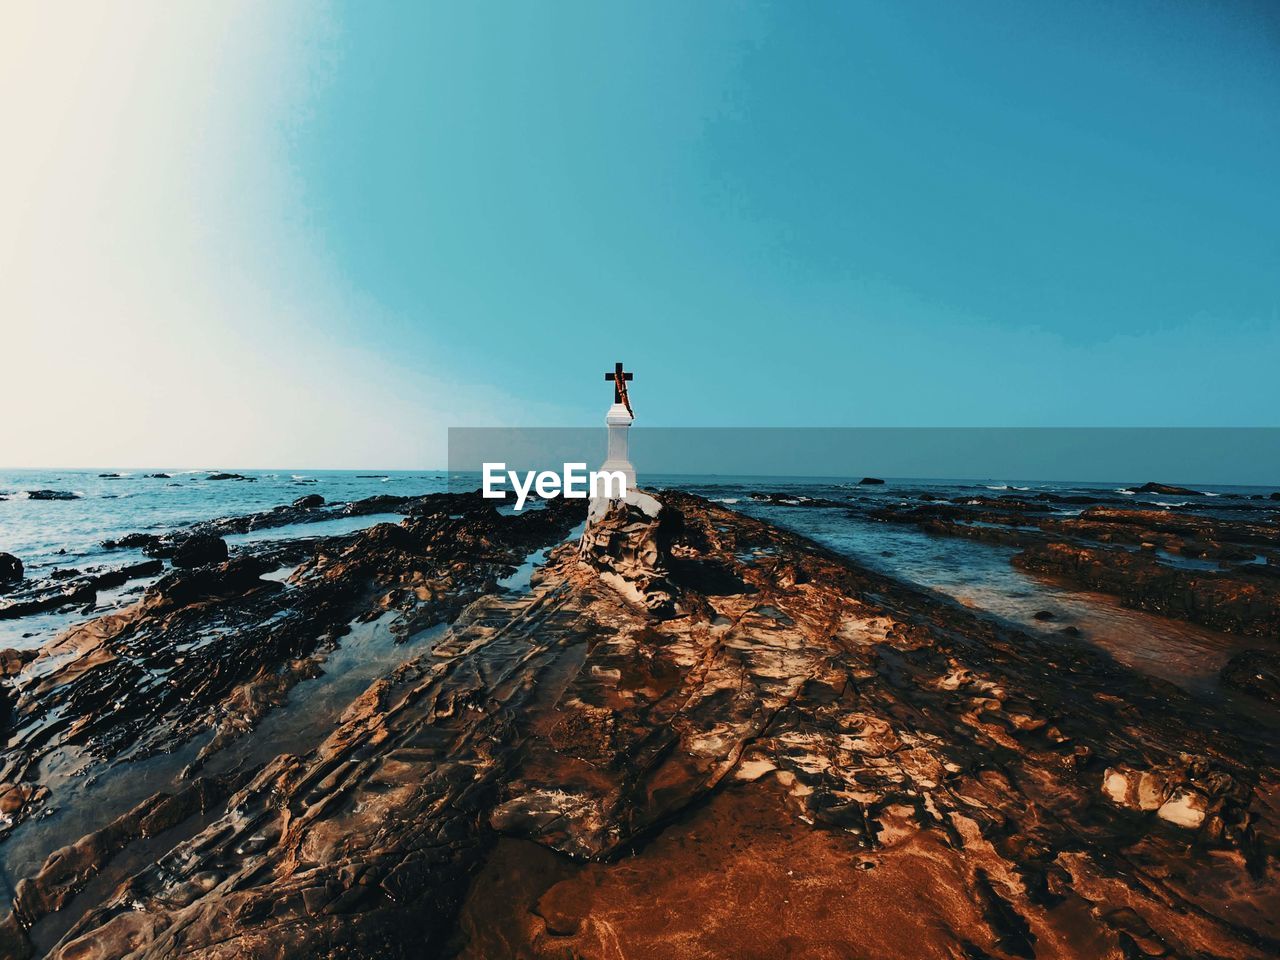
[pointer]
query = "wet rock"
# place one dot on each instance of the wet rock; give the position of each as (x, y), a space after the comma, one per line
(309, 501)
(870, 481)
(198, 550)
(228, 476)
(133, 541)
(796, 500)
(1240, 601)
(12, 661)
(1167, 490)
(158, 476)
(1256, 672)
(199, 584)
(52, 495)
(11, 569)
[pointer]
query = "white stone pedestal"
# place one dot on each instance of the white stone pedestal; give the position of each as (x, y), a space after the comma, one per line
(618, 420)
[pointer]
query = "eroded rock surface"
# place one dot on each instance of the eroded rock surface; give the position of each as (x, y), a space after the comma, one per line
(799, 758)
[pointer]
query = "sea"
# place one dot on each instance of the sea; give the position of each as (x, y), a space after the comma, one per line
(49, 535)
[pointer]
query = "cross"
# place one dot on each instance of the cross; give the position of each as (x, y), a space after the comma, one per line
(619, 379)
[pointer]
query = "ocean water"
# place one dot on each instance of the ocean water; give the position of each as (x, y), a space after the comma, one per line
(45, 534)
(51, 534)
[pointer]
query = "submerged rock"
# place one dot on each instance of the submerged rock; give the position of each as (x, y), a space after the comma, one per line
(52, 495)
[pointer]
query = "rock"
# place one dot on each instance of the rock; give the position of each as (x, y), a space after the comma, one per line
(228, 476)
(200, 549)
(157, 476)
(630, 549)
(1167, 490)
(133, 541)
(52, 495)
(1276, 496)
(185, 586)
(12, 661)
(820, 762)
(1245, 600)
(111, 476)
(309, 501)
(870, 482)
(1186, 808)
(1256, 672)
(1043, 615)
(11, 569)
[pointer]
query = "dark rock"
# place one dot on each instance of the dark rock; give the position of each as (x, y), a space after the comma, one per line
(111, 476)
(200, 549)
(52, 495)
(193, 585)
(870, 482)
(158, 476)
(1256, 672)
(10, 568)
(1044, 615)
(309, 501)
(1275, 496)
(1167, 490)
(133, 541)
(228, 476)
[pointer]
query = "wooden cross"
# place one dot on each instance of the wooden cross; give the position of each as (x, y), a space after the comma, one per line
(619, 379)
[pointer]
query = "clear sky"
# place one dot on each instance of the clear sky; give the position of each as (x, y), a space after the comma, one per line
(312, 235)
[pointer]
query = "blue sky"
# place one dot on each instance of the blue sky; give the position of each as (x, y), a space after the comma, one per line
(395, 218)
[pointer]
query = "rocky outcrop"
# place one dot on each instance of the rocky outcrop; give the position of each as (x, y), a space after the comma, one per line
(65, 588)
(228, 476)
(1236, 602)
(146, 679)
(631, 549)
(806, 760)
(1167, 490)
(309, 502)
(870, 482)
(198, 550)
(52, 495)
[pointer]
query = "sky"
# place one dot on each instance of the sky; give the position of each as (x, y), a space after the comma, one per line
(318, 235)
